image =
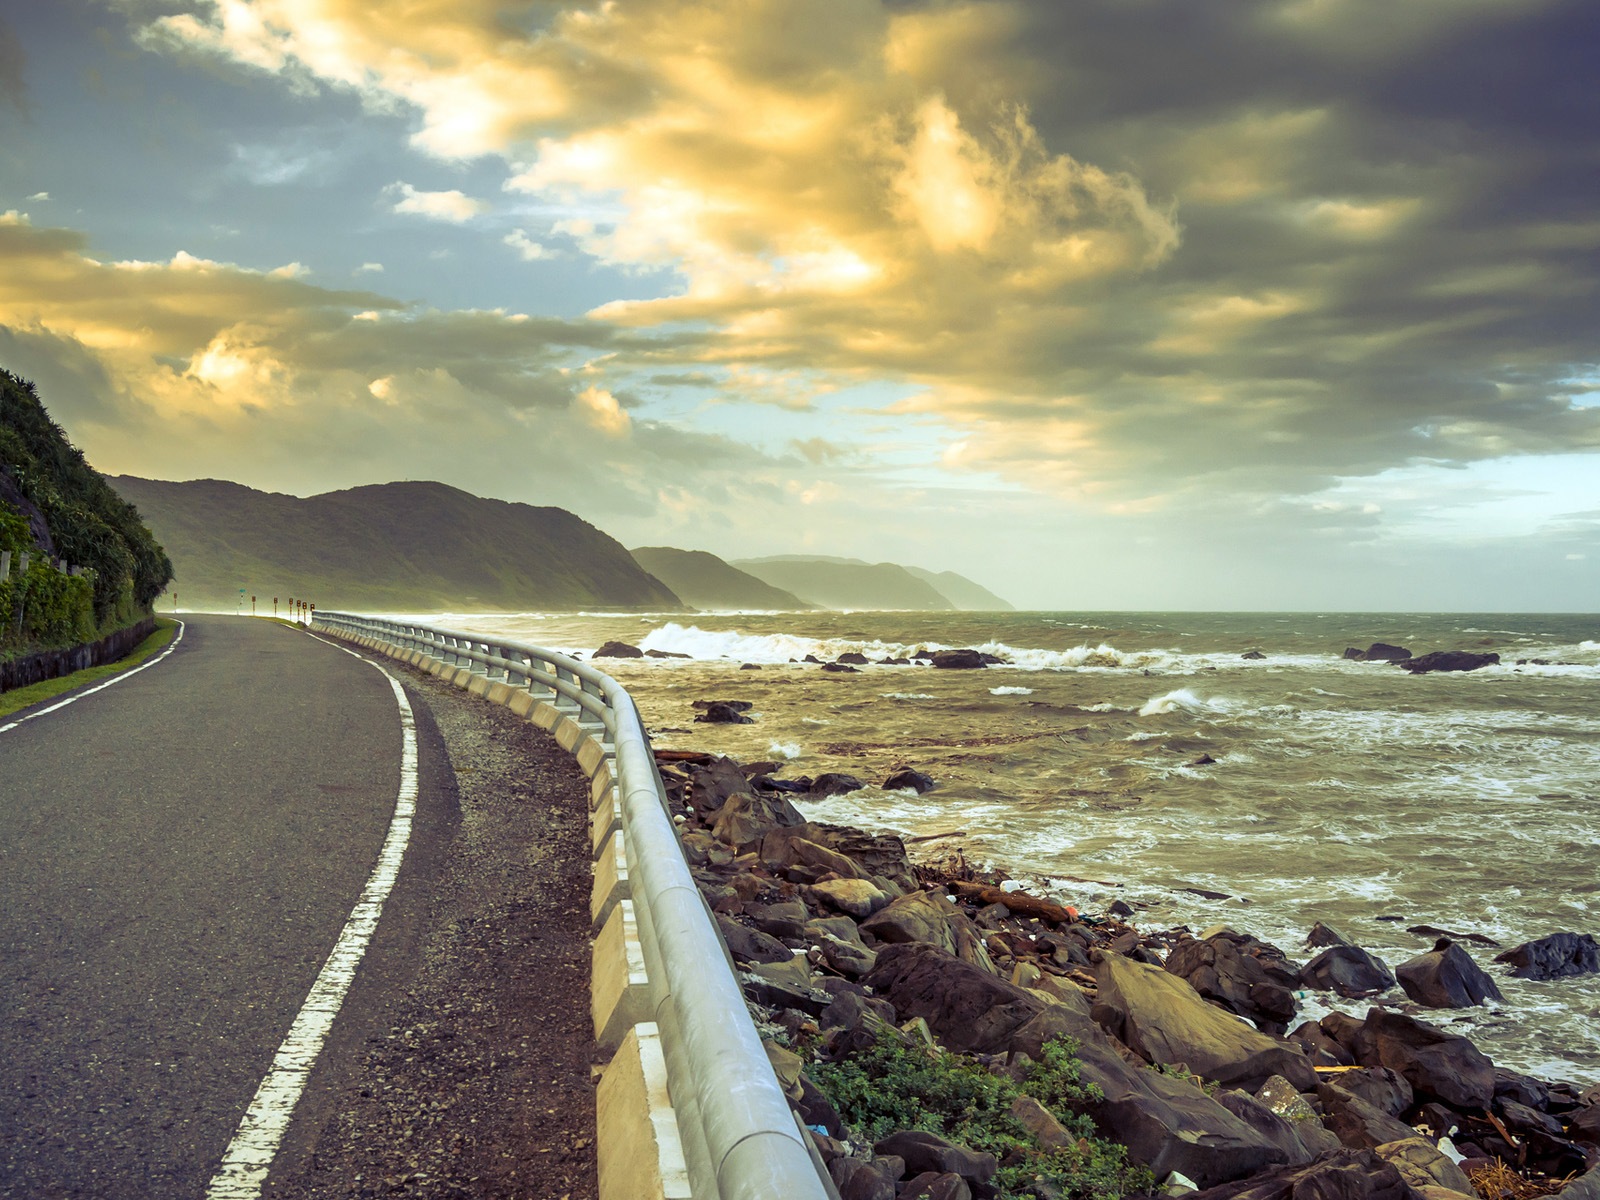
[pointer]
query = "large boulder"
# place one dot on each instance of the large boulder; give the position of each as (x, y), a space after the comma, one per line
(1585, 1187)
(970, 1010)
(751, 945)
(1383, 652)
(1438, 1065)
(1301, 1141)
(958, 660)
(1446, 977)
(1242, 974)
(1337, 1175)
(618, 650)
(1348, 970)
(1422, 1164)
(1356, 1123)
(1449, 660)
(1554, 957)
(720, 712)
(745, 818)
(929, 1152)
(1164, 1020)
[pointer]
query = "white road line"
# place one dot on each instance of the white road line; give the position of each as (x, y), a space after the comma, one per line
(100, 687)
(249, 1156)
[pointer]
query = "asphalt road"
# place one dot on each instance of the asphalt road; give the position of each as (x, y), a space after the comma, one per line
(178, 853)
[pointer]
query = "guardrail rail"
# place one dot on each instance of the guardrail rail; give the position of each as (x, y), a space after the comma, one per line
(672, 1010)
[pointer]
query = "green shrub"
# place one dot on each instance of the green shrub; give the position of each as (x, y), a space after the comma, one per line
(45, 607)
(893, 1086)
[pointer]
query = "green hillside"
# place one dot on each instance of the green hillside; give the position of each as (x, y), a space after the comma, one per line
(847, 583)
(394, 546)
(961, 591)
(707, 582)
(55, 506)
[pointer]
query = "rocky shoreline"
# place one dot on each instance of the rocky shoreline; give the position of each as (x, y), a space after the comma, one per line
(849, 950)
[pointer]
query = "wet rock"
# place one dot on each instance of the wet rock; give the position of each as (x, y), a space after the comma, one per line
(1205, 760)
(1380, 652)
(1446, 977)
(746, 818)
(720, 713)
(1433, 931)
(852, 658)
(1585, 1187)
(751, 945)
(712, 783)
(1322, 1050)
(1253, 655)
(835, 783)
(1554, 957)
(840, 668)
(618, 650)
(1164, 1020)
(1449, 660)
(749, 667)
(1422, 1164)
(907, 778)
(856, 1010)
(660, 654)
(929, 1152)
(1242, 974)
(1437, 1065)
(1338, 1175)
(1524, 1089)
(1323, 936)
(958, 660)
(1281, 1096)
(1348, 970)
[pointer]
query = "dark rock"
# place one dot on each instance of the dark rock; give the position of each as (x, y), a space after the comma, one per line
(1253, 655)
(1353, 654)
(722, 714)
(930, 1152)
(659, 654)
(618, 650)
(1207, 893)
(835, 783)
(1438, 1065)
(850, 1010)
(1348, 970)
(710, 785)
(907, 778)
(859, 1180)
(1356, 1123)
(1337, 1175)
(1120, 908)
(811, 658)
(784, 993)
(736, 705)
(1586, 1187)
(766, 783)
(958, 660)
(1446, 977)
(1300, 1141)
(1584, 1126)
(1322, 1050)
(1164, 1020)
(1382, 652)
(816, 1109)
(1205, 760)
(1323, 936)
(853, 658)
(1449, 660)
(1519, 1118)
(1524, 1089)
(935, 1185)
(1379, 1087)
(749, 667)
(1433, 931)
(839, 668)
(1242, 974)
(751, 945)
(1554, 957)
(1423, 1165)
(786, 920)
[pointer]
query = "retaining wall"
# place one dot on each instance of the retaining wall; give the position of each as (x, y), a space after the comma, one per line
(52, 664)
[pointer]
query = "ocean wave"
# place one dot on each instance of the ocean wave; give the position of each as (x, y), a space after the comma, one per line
(1185, 700)
(1010, 691)
(906, 696)
(789, 750)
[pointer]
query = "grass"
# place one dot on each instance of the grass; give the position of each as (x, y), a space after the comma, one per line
(37, 693)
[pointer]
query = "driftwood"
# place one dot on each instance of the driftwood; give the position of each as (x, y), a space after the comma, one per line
(1017, 902)
(697, 757)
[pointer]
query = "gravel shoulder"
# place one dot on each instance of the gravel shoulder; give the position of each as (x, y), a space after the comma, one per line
(470, 1076)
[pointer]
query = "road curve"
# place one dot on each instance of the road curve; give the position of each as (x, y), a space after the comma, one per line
(178, 855)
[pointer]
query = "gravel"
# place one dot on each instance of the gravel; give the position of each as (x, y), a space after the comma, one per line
(480, 1085)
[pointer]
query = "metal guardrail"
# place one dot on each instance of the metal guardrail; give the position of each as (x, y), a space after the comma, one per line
(741, 1140)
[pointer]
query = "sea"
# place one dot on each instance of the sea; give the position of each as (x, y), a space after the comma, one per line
(1347, 792)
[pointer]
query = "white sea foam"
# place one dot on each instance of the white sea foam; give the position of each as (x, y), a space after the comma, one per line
(1010, 691)
(790, 750)
(906, 696)
(1184, 699)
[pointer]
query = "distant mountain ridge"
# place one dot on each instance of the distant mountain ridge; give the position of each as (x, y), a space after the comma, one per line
(851, 583)
(405, 546)
(703, 580)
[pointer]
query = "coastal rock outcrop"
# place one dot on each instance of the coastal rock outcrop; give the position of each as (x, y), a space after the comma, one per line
(1436, 1064)
(618, 650)
(1446, 977)
(1348, 970)
(1554, 957)
(1242, 974)
(1337, 1175)
(905, 777)
(1449, 660)
(1164, 1020)
(958, 660)
(723, 712)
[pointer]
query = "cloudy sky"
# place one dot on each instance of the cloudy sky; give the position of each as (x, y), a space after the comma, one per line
(1117, 303)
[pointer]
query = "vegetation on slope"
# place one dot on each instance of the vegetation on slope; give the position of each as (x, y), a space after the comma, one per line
(395, 546)
(54, 504)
